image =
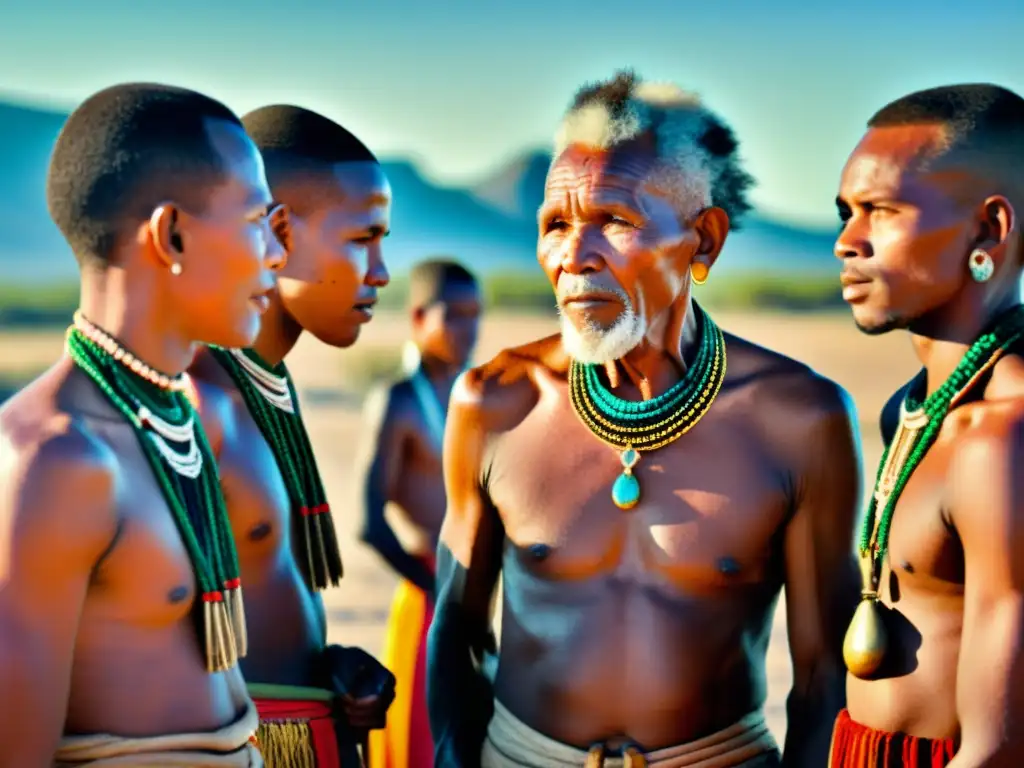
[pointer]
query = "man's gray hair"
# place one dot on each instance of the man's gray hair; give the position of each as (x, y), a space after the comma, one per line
(697, 148)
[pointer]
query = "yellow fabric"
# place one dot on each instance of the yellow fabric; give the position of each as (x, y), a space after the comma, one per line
(513, 744)
(389, 748)
(228, 747)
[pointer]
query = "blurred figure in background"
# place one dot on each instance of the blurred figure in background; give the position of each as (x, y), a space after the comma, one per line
(401, 463)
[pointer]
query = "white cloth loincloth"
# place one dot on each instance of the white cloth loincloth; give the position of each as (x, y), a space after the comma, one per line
(513, 744)
(229, 747)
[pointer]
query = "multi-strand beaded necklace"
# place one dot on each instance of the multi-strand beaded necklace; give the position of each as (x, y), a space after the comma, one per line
(269, 395)
(632, 427)
(921, 419)
(177, 451)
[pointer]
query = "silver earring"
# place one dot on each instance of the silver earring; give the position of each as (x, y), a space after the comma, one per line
(981, 266)
(175, 269)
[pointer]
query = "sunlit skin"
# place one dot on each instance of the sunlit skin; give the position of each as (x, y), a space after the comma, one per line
(331, 291)
(649, 626)
(951, 579)
(96, 587)
(329, 288)
(601, 216)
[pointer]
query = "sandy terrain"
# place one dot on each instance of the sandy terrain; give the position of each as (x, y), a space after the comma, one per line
(869, 368)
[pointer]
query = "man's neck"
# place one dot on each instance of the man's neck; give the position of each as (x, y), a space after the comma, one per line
(656, 364)
(133, 315)
(279, 333)
(941, 345)
(438, 372)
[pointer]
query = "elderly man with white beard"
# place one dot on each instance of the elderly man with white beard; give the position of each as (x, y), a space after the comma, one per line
(644, 483)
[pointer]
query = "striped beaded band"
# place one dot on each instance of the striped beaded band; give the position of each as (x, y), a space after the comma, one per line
(651, 424)
(108, 344)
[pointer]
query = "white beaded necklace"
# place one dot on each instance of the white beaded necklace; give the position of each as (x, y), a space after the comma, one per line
(188, 464)
(274, 388)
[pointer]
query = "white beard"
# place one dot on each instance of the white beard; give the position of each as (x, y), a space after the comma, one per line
(597, 346)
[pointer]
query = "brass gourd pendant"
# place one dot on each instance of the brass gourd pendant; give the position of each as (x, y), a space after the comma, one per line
(866, 642)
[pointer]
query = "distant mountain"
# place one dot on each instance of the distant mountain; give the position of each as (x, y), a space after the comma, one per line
(492, 226)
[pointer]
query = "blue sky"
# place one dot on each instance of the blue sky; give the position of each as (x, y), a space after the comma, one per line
(462, 87)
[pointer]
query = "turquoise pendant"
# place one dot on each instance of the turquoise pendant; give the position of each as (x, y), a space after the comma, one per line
(626, 490)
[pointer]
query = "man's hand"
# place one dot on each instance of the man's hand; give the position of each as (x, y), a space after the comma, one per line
(365, 688)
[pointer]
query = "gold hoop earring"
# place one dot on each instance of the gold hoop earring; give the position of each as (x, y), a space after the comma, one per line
(699, 272)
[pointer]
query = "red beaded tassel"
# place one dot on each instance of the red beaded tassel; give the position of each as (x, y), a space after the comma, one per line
(221, 650)
(236, 612)
(322, 555)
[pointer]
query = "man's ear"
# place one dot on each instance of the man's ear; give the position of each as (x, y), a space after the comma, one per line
(164, 238)
(281, 225)
(712, 225)
(995, 221)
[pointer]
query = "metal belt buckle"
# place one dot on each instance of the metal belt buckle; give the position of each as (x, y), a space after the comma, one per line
(631, 757)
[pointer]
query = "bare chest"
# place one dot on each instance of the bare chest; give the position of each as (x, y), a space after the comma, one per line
(255, 491)
(147, 577)
(923, 550)
(711, 505)
(424, 449)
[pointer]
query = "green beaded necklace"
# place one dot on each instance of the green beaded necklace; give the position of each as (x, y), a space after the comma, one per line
(921, 420)
(190, 486)
(634, 426)
(269, 395)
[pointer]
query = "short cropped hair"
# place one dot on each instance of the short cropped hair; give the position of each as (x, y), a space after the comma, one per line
(429, 279)
(982, 118)
(123, 152)
(297, 144)
(687, 136)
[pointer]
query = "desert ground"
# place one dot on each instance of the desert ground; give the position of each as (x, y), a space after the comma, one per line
(330, 382)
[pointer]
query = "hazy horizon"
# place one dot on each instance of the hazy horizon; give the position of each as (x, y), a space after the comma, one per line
(462, 89)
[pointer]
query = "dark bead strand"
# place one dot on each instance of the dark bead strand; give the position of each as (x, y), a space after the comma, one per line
(1007, 331)
(289, 442)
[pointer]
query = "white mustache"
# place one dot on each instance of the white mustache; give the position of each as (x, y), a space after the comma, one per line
(570, 286)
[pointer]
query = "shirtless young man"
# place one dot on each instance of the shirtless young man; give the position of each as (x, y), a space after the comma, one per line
(931, 243)
(401, 463)
(315, 701)
(639, 585)
(109, 509)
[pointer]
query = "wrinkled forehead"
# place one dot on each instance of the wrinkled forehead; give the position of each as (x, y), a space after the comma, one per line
(590, 172)
(898, 162)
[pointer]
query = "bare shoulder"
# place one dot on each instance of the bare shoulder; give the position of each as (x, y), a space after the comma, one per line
(785, 386)
(500, 392)
(985, 484)
(390, 400)
(988, 441)
(59, 481)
